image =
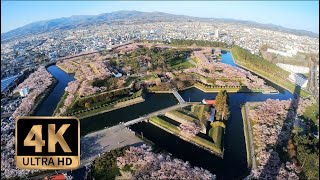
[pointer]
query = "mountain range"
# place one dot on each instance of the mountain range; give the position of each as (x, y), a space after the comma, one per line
(66, 23)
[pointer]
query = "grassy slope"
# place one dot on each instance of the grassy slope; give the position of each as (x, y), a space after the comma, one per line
(312, 113)
(272, 77)
(196, 139)
(216, 133)
(246, 135)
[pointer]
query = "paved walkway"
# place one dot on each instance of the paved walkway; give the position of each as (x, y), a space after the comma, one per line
(177, 95)
(96, 143)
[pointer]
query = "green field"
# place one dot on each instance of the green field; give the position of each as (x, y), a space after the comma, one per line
(216, 133)
(183, 65)
(312, 113)
(246, 135)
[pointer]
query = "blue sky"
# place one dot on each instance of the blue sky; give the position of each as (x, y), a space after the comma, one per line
(292, 14)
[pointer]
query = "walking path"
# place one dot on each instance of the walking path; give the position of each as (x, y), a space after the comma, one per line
(177, 95)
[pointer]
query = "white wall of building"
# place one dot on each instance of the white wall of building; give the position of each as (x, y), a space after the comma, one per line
(298, 80)
(289, 53)
(293, 68)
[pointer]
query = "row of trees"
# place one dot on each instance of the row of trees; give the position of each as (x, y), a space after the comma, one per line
(257, 62)
(37, 82)
(184, 42)
(273, 121)
(102, 97)
(88, 106)
(217, 70)
(222, 106)
(142, 163)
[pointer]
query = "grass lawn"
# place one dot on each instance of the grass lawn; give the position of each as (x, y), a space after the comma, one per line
(311, 113)
(165, 124)
(180, 117)
(183, 65)
(151, 76)
(246, 135)
(197, 110)
(216, 133)
(129, 80)
(196, 139)
(161, 87)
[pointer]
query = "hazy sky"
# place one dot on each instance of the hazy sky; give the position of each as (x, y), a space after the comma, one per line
(292, 14)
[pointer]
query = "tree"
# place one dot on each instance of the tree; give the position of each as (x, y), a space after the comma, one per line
(222, 106)
(87, 105)
(217, 124)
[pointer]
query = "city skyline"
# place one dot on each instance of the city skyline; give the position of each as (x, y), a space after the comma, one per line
(296, 15)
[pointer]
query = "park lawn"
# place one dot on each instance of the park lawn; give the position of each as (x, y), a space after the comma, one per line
(165, 124)
(183, 65)
(129, 80)
(197, 110)
(217, 133)
(180, 117)
(196, 139)
(161, 87)
(63, 68)
(149, 77)
(311, 113)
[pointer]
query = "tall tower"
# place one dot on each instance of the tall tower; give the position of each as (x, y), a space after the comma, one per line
(216, 33)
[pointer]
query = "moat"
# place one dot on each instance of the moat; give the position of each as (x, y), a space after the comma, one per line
(232, 166)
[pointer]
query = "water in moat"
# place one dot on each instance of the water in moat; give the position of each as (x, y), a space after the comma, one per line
(232, 166)
(48, 106)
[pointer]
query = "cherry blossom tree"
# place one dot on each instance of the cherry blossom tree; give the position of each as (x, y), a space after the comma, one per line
(273, 120)
(190, 128)
(148, 165)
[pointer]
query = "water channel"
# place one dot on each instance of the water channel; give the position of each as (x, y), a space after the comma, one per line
(232, 166)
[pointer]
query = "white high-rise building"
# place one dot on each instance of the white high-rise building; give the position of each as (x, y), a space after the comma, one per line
(216, 33)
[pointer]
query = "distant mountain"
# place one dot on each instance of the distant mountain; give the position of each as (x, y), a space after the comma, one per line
(66, 23)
